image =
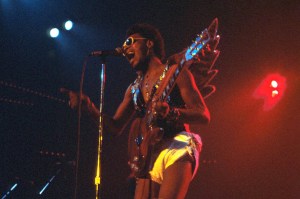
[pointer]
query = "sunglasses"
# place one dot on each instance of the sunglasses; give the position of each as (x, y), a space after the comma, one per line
(130, 40)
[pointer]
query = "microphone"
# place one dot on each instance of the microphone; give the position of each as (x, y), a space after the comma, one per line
(116, 52)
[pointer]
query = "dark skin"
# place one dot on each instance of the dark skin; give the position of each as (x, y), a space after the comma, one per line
(178, 176)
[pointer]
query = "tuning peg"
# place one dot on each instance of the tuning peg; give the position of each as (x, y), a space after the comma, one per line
(196, 58)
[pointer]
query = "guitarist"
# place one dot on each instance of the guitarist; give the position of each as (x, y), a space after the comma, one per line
(164, 155)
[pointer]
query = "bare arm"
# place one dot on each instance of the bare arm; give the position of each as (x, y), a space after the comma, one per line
(112, 125)
(196, 111)
(116, 124)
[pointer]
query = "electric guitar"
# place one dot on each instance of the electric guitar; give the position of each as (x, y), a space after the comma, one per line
(145, 133)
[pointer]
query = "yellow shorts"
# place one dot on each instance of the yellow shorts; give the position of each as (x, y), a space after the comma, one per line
(182, 144)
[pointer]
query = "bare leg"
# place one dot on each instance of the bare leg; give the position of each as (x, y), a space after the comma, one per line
(176, 181)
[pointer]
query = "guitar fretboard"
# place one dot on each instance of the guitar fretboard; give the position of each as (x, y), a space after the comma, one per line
(172, 82)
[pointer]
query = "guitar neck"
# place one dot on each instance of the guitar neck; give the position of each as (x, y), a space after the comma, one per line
(191, 54)
(168, 83)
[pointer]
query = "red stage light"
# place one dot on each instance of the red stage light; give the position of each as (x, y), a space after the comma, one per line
(275, 93)
(274, 83)
(271, 89)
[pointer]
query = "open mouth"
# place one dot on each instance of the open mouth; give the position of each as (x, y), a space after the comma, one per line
(129, 55)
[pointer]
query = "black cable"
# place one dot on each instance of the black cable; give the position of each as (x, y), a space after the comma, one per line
(79, 127)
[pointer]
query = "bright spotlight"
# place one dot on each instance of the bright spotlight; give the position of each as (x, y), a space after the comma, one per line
(275, 93)
(68, 25)
(271, 89)
(274, 84)
(54, 32)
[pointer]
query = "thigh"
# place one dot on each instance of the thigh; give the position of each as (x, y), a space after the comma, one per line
(142, 189)
(176, 180)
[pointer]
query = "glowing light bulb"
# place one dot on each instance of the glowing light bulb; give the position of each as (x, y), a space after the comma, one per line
(54, 32)
(274, 84)
(275, 93)
(68, 25)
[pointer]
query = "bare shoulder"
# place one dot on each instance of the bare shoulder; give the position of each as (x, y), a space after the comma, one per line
(186, 80)
(127, 99)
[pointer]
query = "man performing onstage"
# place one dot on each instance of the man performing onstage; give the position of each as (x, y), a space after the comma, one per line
(164, 154)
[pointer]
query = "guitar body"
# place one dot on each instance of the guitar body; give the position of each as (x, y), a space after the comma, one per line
(140, 141)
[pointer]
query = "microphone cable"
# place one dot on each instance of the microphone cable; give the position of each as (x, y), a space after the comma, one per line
(79, 126)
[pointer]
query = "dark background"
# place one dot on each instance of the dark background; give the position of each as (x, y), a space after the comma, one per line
(248, 153)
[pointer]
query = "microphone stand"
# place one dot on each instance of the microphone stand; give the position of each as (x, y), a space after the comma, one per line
(100, 135)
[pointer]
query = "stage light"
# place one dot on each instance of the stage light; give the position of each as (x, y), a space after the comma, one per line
(54, 32)
(275, 93)
(68, 25)
(271, 90)
(274, 84)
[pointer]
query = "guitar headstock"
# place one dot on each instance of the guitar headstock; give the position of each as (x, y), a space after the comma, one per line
(208, 35)
(195, 48)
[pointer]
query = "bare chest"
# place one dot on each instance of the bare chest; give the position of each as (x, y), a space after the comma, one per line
(148, 86)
